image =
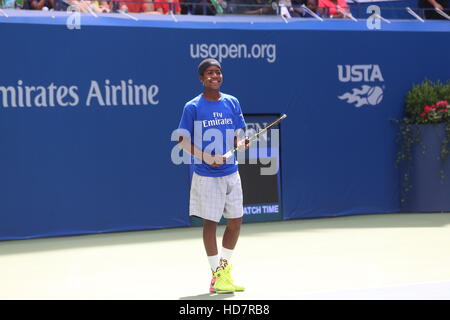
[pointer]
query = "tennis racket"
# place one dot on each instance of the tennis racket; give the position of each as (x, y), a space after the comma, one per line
(260, 132)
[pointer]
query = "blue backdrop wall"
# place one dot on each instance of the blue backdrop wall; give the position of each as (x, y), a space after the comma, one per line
(78, 155)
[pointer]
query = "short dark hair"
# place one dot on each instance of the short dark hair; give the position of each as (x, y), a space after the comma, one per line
(207, 63)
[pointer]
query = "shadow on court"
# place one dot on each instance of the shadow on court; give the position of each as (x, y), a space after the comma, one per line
(387, 220)
(209, 296)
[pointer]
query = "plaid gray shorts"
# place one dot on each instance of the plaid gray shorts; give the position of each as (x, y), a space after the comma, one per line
(212, 197)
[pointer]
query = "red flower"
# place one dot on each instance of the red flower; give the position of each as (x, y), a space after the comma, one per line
(422, 114)
(442, 103)
(443, 110)
(427, 109)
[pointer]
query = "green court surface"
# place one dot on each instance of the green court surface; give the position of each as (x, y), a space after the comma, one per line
(379, 256)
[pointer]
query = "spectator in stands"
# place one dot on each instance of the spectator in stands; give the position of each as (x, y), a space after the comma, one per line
(258, 7)
(39, 4)
(293, 8)
(137, 6)
(297, 6)
(333, 8)
(85, 5)
(185, 6)
(167, 6)
(133, 6)
(99, 6)
(430, 5)
(286, 9)
(20, 4)
(198, 7)
(7, 4)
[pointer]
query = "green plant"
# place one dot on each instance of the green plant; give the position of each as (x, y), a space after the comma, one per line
(425, 103)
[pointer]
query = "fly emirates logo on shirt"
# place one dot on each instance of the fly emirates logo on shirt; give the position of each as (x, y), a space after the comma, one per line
(217, 121)
(216, 136)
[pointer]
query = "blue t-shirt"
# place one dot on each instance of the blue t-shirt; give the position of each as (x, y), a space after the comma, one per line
(212, 126)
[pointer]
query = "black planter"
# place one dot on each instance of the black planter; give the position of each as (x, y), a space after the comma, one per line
(430, 192)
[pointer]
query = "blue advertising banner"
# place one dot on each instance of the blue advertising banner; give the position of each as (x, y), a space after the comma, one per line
(87, 114)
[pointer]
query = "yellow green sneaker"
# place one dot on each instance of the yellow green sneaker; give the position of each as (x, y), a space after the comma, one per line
(227, 272)
(220, 283)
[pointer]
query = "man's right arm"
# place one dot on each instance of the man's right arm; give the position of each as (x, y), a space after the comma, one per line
(186, 144)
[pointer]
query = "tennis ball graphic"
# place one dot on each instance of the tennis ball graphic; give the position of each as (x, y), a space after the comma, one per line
(375, 95)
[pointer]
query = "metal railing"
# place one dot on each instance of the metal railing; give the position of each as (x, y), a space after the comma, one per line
(355, 10)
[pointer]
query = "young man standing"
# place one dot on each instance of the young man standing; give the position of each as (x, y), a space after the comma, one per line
(216, 188)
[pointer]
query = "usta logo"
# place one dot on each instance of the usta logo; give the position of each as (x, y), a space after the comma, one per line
(360, 72)
(366, 94)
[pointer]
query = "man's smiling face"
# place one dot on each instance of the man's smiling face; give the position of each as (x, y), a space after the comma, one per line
(212, 78)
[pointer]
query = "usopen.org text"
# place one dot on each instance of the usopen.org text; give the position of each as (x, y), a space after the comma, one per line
(222, 51)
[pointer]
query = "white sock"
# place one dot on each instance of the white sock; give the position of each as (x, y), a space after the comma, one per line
(213, 262)
(226, 255)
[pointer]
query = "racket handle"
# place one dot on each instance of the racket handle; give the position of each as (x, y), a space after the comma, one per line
(229, 153)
